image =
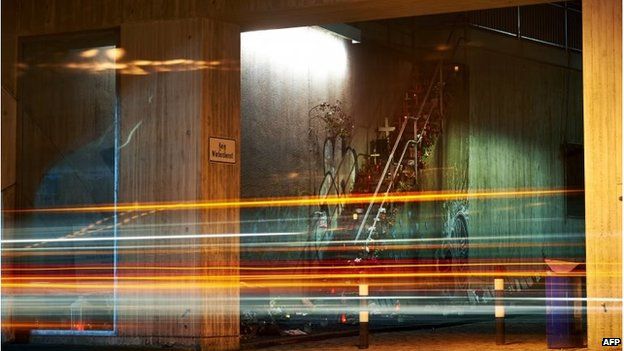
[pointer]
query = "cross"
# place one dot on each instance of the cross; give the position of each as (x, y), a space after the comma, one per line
(375, 155)
(386, 129)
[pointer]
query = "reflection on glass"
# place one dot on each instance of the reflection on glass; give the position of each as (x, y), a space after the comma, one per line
(67, 159)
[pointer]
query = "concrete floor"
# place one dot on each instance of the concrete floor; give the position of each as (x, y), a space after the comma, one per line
(523, 333)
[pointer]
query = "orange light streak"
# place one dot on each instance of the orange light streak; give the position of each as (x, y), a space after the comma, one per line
(377, 266)
(303, 201)
(293, 279)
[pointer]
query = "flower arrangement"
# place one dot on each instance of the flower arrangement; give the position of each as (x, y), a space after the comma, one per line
(429, 136)
(337, 122)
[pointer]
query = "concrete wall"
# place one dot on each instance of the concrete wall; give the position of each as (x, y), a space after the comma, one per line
(602, 60)
(522, 112)
(516, 104)
(510, 108)
(285, 73)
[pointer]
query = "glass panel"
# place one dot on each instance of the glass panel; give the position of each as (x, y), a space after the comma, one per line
(503, 20)
(466, 156)
(67, 159)
(544, 23)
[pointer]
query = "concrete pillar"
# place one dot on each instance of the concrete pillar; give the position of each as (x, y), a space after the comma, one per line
(178, 110)
(602, 100)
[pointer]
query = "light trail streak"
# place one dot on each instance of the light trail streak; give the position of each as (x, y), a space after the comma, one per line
(381, 265)
(150, 237)
(316, 298)
(78, 251)
(303, 243)
(293, 279)
(296, 244)
(422, 280)
(302, 201)
(138, 227)
(441, 310)
(306, 276)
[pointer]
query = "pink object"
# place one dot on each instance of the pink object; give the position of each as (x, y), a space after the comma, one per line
(559, 266)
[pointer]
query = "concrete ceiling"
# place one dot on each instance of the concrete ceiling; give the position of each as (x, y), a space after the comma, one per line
(267, 14)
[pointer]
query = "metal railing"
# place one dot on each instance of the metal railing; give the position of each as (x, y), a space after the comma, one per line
(436, 76)
(556, 24)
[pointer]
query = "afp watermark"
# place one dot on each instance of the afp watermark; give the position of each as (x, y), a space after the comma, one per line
(611, 341)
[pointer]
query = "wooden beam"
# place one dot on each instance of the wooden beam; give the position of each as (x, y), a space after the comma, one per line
(602, 95)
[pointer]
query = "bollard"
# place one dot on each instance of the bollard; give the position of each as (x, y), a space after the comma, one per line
(499, 310)
(578, 309)
(363, 316)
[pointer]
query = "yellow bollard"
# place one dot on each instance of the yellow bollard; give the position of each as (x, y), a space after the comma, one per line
(499, 310)
(363, 316)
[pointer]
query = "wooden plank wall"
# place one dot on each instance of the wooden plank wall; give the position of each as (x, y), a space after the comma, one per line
(602, 74)
(167, 160)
